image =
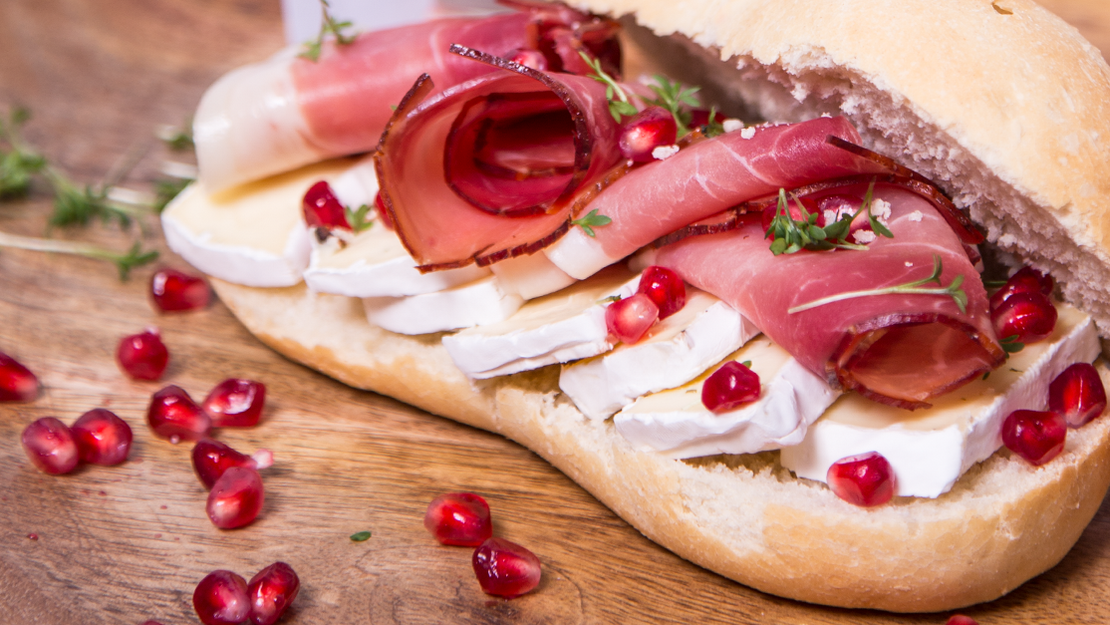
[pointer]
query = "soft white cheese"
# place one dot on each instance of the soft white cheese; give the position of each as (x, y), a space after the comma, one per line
(930, 449)
(677, 424)
(578, 254)
(476, 303)
(677, 350)
(252, 234)
(560, 327)
(531, 276)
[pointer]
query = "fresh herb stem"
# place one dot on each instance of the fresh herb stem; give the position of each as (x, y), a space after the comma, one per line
(125, 262)
(327, 26)
(357, 218)
(953, 290)
(78, 206)
(676, 98)
(619, 107)
(19, 163)
(590, 221)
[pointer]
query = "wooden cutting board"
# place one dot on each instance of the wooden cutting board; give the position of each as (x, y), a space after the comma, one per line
(129, 543)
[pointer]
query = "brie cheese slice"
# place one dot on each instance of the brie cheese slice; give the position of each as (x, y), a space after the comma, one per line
(476, 303)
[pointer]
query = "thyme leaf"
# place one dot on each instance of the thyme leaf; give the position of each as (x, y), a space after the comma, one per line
(619, 107)
(359, 537)
(677, 99)
(1011, 345)
(789, 235)
(327, 26)
(590, 221)
(177, 138)
(18, 163)
(125, 261)
(953, 290)
(357, 218)
(713, 128)
(77, 206)
(166, 190)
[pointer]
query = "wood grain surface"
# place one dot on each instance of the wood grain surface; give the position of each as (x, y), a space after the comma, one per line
(129, 543)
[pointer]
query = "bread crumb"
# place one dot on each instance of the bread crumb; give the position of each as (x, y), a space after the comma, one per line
(748, 132)
(731, 125)
(664, 152)
(915, 216)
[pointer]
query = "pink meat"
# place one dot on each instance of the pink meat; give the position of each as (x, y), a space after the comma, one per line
(900, 349)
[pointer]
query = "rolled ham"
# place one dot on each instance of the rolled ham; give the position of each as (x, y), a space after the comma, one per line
(901, 349)
(289, 111)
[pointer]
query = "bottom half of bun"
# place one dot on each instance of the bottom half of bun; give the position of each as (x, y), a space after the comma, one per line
(744, 517)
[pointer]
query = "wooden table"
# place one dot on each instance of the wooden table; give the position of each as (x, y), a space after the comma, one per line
(124, 544)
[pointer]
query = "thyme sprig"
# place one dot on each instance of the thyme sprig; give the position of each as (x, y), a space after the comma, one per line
(328, 26)
(18, 163)
(793, 235)
(76, 205)
(953, 290)
(125, 261)
(677, 99)
(621, 106)
(176, 138)
(357, 218)
(590, 221)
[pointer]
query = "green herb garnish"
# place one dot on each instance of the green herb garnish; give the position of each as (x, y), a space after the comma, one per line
(618, 107)
(789, 235)
(18, 163)
(609, 300)
(953, 290)
(357, 218)
(675, 98)
(329, 25)
(177, 138)
(1011, 345)
(77, 206)
(747, 363)
(590, 221)
(359, 537)
(166, 190)
(125, 262)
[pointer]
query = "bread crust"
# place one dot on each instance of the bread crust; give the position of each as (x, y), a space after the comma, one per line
(744, 517)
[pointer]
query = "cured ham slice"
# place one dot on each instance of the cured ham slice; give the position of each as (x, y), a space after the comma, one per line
(288, 111)
(704, 179)
(898, 348)
(488, 169)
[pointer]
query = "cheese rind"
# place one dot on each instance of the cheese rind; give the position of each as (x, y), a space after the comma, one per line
(531, 276)
(679, 349)
(477, 303)
(930, 449)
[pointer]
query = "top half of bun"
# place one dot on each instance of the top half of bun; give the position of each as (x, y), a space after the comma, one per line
(1003, 104)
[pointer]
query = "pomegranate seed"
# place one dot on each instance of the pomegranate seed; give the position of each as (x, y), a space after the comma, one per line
(50, 446)
(459, 519)
(221, 599)
(143, 356)
(651, 128)
(236, 498)
(1034, 435)
(175, 290)
(700, 117)
(322, 209)
(729, 387)
(665, 288)
(151, 623)
(533, 59)
(630, 318)
(235, 403)
(174, 415)
(865, 480)
(212, 458)
(1077, 394)
(1028, 316)
(32, 536)
(383, 214)
(505, 569)
(960, 619)
(271, 591)
(102, 437)
(17, 383)
(1026, 280)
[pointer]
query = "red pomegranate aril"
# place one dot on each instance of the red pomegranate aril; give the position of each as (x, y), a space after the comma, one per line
(459, 519)
(50, 446)
(143, 356)
(271, 591)
(174, 415)
(730, 387)
(175, 290)
(236, 498)
(1026, 280)
(221, 599)
(17, 383)
(1028, 316)
(322, 209)
(235, 403)
(532, 59)
(665, 288)
(212, 458)
(960, 619)
(1077, 394)
(102, 437)
(505, 569)
(864, 480)
(700, 117)
(383, 214)
(651, 128)
(1037, 436)
(630, 318)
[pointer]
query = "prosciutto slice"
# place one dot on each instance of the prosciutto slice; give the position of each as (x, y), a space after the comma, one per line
(288, 111)
(901, 349)
(704, 179)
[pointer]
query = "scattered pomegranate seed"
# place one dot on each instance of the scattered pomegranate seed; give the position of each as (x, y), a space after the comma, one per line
(651, 128)
(50, 446)
(1077, 394)
(665, 288)
(221, 599)
(32, 536)
(505, 569)
(102, 437)
(174, 415)
(459, 519)
(383, 214)
(1026, 280)
(271, 591)
(17, 383)
(1034, 435)
(212, 458)
(865, 480)
(960, 619)
(532, 59)
(730, 387)
(630, 318)
(175, 290)
(235, 403)
(322, 209)
(1029, 316)
(236, 498)
(151, 623)
(143, 356)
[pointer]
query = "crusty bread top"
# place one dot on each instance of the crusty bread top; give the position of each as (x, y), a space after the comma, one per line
(1009, 112)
